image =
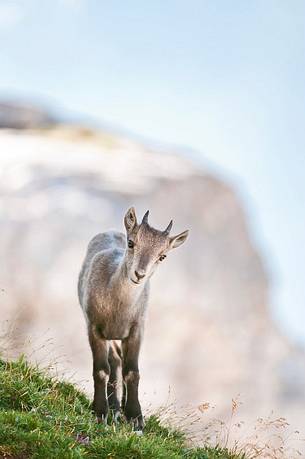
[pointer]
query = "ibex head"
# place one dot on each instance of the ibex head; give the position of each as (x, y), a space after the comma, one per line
(146, 246)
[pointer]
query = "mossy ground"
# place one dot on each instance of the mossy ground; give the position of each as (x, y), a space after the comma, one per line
(42, 417)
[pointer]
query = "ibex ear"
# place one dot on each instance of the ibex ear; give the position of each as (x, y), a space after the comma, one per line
(176, 241)
(130, 219)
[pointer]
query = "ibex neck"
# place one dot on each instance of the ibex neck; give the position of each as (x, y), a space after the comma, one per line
(123, 286)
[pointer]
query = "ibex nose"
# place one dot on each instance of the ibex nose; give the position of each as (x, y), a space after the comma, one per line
(140, 274)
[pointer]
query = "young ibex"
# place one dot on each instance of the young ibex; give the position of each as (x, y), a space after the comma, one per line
(113, 290)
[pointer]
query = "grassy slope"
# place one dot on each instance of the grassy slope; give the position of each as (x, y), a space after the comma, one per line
(41, 417)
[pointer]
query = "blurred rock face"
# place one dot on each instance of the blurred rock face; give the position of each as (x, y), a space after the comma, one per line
(23, 116)
(209, 335)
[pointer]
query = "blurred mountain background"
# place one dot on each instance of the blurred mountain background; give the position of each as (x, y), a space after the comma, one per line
(195, 111)
(210, 334)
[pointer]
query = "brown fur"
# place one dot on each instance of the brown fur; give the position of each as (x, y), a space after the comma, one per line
(113, 291)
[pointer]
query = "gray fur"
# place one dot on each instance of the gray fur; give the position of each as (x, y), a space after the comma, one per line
(113, 292)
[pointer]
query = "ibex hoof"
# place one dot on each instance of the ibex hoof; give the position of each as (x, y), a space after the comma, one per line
(116, 416)
(102, 419)
(138, 425)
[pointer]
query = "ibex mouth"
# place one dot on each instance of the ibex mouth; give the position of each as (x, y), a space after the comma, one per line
(135, 282)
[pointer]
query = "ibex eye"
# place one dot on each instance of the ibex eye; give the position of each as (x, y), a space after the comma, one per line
(162, 257)
(130, 244)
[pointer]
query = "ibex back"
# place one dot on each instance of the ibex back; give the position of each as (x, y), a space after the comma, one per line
(113, 291)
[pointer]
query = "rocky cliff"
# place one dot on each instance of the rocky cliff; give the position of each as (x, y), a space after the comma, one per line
(209, 334)
(16, 115)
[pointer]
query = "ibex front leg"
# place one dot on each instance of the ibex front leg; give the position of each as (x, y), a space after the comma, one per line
(131, 377)
(101, 373)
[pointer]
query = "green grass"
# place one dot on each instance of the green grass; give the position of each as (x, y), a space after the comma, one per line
(42, 417)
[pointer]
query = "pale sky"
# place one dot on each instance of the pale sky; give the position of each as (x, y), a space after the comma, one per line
(224, 78)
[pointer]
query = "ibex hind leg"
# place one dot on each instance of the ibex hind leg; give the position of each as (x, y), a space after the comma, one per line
(115, 363)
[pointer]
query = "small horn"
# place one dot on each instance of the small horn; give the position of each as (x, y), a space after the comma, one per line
(145, 218)
(168, 229)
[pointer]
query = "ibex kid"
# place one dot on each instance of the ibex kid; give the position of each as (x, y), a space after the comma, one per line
(113, 291)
